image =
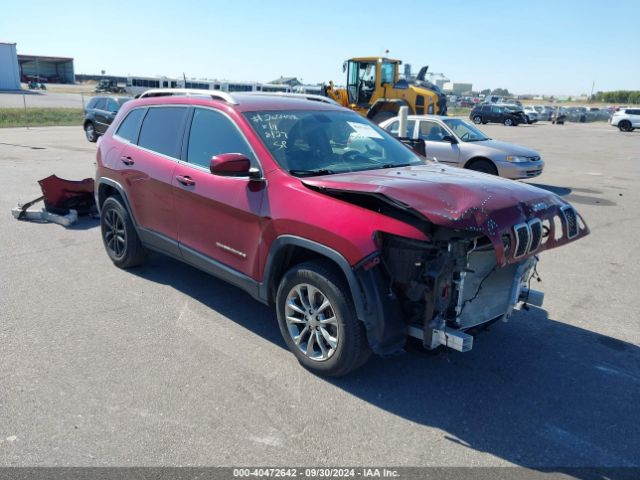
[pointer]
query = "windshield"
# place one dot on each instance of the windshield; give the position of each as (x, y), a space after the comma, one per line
(325, 142)
(465, 131)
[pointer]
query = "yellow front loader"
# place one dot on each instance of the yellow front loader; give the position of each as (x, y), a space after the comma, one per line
(374, 90)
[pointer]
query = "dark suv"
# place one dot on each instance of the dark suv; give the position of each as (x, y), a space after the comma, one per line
(99, 113)
(357, 241)
(493, 113)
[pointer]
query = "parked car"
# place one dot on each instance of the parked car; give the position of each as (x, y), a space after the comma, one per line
(626, 119)
(99, 113)
(531, 114)
(460, 144)
(559, 116)
(544, 112)
(576, 114)
(357, 248)
(486, 113)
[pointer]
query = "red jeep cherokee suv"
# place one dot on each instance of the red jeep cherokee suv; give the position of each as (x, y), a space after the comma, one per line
(358, 241)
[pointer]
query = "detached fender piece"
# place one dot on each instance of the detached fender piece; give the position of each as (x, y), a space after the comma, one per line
(383, 317)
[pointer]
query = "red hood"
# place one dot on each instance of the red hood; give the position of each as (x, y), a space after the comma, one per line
(457, 199)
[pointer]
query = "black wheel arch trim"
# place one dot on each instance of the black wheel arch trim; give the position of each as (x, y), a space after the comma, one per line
(476, 159)
(121, 191)
(381, 314)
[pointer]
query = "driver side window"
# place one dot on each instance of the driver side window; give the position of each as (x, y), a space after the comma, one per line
(212, 134)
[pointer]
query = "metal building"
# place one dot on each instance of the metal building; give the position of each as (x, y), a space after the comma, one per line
(457, 88)
(46, 69)
(9, 71)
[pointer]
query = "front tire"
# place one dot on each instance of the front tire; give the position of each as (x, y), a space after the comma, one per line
(477, 120)
(119, 235)
(484, 166)
(318, 322)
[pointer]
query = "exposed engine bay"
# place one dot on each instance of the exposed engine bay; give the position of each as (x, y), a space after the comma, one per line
(453, 284)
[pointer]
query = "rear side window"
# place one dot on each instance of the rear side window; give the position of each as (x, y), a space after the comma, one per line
(212, 133)
(130, 126)
(162, 130)
(112, 105)
(393, 128)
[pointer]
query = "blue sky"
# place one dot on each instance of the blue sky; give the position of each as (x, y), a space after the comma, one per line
(550, 47)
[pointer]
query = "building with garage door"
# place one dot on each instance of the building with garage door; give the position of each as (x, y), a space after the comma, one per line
(9, 71)
(46, 69)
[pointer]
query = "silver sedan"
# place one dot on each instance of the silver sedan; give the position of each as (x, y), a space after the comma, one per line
(458, 143)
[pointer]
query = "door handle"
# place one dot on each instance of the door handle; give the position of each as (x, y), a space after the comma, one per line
(127, 160)
(185, 180)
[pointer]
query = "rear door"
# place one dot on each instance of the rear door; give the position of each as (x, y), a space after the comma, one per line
(110, 113)
(100, 115)
(485, 113)
(634, 117)
(219, 221)
(147, 166)
(496, 114)
(437, 149)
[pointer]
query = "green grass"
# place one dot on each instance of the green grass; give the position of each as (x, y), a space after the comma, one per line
(458, 111)
(40, 117)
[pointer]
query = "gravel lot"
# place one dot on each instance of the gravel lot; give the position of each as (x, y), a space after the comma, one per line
(164, 365)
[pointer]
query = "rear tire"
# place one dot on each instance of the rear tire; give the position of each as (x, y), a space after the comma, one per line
(119, 235)
(625, 126)
(90, 132)
(484, 166)
(508, 122)
(337, 347)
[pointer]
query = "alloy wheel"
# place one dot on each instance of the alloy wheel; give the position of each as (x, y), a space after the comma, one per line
(311, 322)
(90, 132)
(113, 230)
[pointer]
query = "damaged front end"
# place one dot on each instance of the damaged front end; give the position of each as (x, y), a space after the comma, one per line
(481, 239)
(452, 284)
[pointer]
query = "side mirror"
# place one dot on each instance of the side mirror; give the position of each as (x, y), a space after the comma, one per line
(450, 139)
(233, 165)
